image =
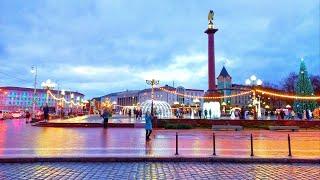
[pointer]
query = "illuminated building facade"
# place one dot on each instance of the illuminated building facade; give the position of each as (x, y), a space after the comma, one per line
(21, 98)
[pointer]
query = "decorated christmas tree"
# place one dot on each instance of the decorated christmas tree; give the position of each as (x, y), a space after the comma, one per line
(304, 88)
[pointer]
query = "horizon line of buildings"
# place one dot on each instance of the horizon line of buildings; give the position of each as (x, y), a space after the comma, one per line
(21, 98)
(17, 98)
(224, 86)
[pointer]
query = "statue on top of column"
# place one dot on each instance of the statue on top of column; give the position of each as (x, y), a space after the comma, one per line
(210, 16)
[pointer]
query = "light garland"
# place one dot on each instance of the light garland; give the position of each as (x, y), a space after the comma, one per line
(288, 96)
(244, 93)
(204, 97)
(63, 99)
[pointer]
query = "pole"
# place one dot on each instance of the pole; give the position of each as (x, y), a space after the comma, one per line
(177, 144)
(47, 100)
(255, 106)
(251, 140)
(289, 145)
(214, 144)
(152, 83)
(34, 92)
(152, 96)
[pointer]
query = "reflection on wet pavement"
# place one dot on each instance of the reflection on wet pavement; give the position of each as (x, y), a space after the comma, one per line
(18, 139)
(98, 119)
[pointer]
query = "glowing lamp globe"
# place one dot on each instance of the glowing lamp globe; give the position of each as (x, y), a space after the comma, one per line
(253, 78)
(259, 82)
(248, 82)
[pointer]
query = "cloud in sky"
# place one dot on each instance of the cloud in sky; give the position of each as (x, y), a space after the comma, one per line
(101, 46)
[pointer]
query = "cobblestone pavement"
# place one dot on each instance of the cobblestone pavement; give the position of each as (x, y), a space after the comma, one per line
(154, 170)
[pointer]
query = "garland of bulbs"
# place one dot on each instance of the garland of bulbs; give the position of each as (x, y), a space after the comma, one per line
(63, 99)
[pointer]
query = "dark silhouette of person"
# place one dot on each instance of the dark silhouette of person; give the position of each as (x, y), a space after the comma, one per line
(46, 112)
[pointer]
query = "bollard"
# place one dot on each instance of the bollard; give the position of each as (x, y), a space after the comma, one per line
(214, 144)
(289, 145)
(251, 145)
(177, 144)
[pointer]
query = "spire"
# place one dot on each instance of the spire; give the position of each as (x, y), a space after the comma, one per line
(224, 73)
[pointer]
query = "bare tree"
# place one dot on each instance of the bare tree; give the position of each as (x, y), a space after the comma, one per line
(270, 85)
(288, 84)
(315, 80)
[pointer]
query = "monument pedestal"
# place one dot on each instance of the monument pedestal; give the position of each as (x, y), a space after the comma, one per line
(212, 93)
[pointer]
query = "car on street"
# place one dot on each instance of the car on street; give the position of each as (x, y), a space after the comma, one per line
(5, 114)
(18, 114)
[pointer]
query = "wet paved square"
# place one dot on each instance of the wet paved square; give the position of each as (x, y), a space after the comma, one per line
(18, 139)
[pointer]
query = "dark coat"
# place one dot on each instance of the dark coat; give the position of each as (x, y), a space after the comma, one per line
(46, 110)
(105, 115)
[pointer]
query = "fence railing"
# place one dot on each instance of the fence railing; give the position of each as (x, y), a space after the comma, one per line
(214, 145)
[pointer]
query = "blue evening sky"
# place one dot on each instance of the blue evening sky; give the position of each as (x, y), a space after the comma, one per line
(102, 46)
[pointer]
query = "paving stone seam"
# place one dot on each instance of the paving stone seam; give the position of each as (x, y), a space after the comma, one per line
(157, 159)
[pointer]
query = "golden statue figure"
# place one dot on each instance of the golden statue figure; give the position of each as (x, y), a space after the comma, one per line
(210, 16)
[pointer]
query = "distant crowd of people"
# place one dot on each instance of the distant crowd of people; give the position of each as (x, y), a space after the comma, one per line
(106, 114)
(136, 113)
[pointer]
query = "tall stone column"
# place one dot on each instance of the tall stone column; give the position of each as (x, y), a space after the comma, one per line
(211, 58)
(212, 90)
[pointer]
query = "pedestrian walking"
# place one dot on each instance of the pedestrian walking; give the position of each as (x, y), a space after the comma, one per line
(28, 115)
(242, 113)
(205, 114)
(136, 113)
(292, 114)
(148, 125)
(210, 112)
(105, 115)
(129, 113)
(282, 114)
(46, 112)
(200, 113)
(140, 114)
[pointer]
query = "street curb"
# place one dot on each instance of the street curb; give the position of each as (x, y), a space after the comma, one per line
(157, 159)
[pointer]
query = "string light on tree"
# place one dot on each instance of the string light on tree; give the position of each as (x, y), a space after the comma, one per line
(304, 88)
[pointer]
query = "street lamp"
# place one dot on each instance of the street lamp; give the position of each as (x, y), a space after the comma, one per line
(48, 84)
(152, 82)
(254, 81)
(34, 71)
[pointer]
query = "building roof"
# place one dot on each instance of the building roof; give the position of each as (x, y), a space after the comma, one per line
(224, 72)
(31, 89)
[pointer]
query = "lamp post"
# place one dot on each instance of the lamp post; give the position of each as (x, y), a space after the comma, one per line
(48, 84)
(34, 70)
(254, 81)
(63, 93)
(152, 82)
(71, 101)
